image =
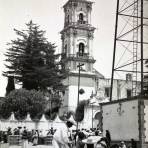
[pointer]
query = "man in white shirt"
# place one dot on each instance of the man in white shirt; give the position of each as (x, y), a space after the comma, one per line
(61, 138)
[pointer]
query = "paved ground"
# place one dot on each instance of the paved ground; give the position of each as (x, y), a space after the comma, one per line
(28, 146)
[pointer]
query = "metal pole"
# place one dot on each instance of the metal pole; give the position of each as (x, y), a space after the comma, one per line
(114, 52)
(92, 116)
(141, 101)
(141, 47)
(78, 89)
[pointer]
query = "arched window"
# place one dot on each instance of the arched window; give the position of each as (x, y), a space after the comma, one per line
(81, 49)
(81, 17)
(98, 119)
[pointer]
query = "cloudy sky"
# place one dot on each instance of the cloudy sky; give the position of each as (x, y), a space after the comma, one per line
(49, 15)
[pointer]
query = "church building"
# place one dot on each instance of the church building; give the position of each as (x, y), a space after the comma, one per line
(77, 47)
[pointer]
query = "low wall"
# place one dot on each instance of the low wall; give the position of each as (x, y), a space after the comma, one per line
(43, 124)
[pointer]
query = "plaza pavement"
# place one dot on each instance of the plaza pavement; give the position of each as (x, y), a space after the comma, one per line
(28, 146)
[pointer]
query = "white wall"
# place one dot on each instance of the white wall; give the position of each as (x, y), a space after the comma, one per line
(43, 124)
(73, 95)
(146, 119)
(30, 125)
(122, 125)
(88, 114)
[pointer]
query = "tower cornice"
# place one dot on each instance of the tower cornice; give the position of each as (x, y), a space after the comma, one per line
(73, 57)
(74, 2)
(90, 75)
(86, 27)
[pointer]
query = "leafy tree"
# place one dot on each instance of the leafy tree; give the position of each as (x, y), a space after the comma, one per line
(21, 102)
(10, 85)
(79, 114)
(33, 62)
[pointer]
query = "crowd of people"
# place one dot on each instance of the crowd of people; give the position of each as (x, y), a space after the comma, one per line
(34, 136)
(84, 138)
(66, 138)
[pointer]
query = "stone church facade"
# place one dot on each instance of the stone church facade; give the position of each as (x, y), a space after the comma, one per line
(77, 47)
(77, 39)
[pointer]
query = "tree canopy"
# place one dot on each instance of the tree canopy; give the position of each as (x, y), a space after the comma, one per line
(79, 114)
(23, 101)
(32, 61)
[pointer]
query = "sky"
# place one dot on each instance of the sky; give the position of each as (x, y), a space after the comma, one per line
(50, 16)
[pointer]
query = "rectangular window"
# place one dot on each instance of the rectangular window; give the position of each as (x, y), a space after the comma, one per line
(129, 93)
(107, 91)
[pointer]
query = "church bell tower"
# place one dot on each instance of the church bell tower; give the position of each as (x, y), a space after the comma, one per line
(77, 48)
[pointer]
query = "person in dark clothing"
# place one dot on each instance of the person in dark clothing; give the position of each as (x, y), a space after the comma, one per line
(133, 143)
(9, 132)
(25, 137)
(52, 131)
(79, 143)
(25, 134)
(102, 143)
(1, 136)
(108, 137)
(5, 137)
(16, 131)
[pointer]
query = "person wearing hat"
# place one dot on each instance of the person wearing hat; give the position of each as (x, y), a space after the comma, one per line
(122, 145)
(61, 137)
(102, 143)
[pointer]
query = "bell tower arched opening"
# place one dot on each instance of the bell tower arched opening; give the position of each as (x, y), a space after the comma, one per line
(81, 49)
(81, 17)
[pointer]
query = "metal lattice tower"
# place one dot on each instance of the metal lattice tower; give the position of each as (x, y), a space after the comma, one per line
(135, 47)
(130, 42)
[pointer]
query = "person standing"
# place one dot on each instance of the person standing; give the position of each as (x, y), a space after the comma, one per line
(122, 145)
(61, 137)
(25, 137)
(79, 143)
(108, 137)
(35, 138)
(133, 143)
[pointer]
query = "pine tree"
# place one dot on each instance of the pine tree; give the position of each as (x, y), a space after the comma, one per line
(33, 62)
(10, 85)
